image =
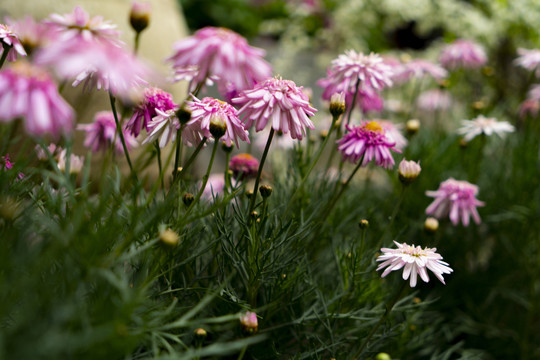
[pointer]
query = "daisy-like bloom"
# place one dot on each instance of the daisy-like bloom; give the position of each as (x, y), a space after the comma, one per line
(484, 125)
(75, 163)
(418, 69)
(154, 98)
(367, 99)
(434, 100)
(280, 101)
(188, 73)
(27, 91)
(457, 199)
(370, 142)
(101, 134)
(165, 125)
(32, 34)
(414, 261)
(463, 54)
(249, 322)
(529, 59)
(208, 110)
(244, 166)
(393, 133)
(223, 53)
(79, 24)
(9, 40)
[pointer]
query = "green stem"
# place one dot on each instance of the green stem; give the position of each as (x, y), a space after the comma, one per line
(357, 87)
(178, 151)
(6, 48)
(158, 151)
(259, 173)
(334, 200)
(137, 41)
(393, 216)
(120, 133)
(227, 175)
(205, 178)
(194, 155)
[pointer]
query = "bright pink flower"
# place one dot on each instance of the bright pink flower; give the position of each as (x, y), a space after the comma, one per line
(280, 101)
(418, 69)
(529, 59)
(463, 54)
(434, 100)
(79, 24)
(223, 53)
(8, 38)
(7, 164)
(414, 261)
(457, 199)
(101, 134)
(27, 91)
(154, 98)
(244, 166)
(208, 109)
(368, 142)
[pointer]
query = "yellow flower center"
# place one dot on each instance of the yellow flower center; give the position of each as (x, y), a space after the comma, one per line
(374, 126)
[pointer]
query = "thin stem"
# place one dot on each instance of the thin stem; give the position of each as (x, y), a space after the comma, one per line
(137, 41)
(194, 155)
(205, 178)
(259, 173)
(394, 214)
(158, 151)
(389, 308)
(178, 151)
(120, 133)
(6, 48)
(227, 175)
(334, 200)
(357, 87)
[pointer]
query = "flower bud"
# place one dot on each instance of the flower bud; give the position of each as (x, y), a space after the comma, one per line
(413, 126)
(218, 127)
(431, 224)
(363, 224)
(183, 114)
(408, 171)
(249, 322)
(383, 356)
(226, 148)
(169, 237)
(254, 215)
(337, 104)
(200, 332)
(265, 190)
(249, 194)
(188, 199)
(139, 17)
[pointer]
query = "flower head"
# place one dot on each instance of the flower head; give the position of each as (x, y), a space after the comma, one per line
(223, 53)
(31, 33)
(393, 133)
(139, 16)
(28, 91)
(8, 38)
(418, 69)
(249, 321)
(434, 100)
(456, 199)
(280, 101)
(529, 59)
(484, 125)
(367, 142)
(463, 54)
(415, 261)
(408, 171)
(101, 134)
(214, 186)
(208, 109)
(75, 162)
(165, 125)
(6, 162)
(244, 166)
(154, 98)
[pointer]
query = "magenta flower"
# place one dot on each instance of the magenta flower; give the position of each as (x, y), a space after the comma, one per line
(367, 142)
(281, 101)
(8, 38)
(208, 109)
(101, 134)
(434, 100)
(27, 91)
(457, 199)
(244, 166)
(7, 164)
(223, 53)
(529, 59)
(463, 54)
(414, 261)
(79, 24)
(154, 98)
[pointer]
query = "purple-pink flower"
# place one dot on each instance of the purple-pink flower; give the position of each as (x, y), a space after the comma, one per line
(165, 125)
(529, 59)
(9, 39)
(456, 199)
(209, 109)
(249, 321)
(154, 98)
(418, 69)
(414, 261)
(223, 53)
(27, 91)
(393, 133)
(244, 166)
(434, 100)
(281, 102)
(32, 34)
(101, 134)
(367, 142)
(463, 54)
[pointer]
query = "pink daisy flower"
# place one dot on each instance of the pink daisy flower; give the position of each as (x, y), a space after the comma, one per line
(79, 24)
(529, 59)
(9, 39)
(208, 109)
(32, 34)
(165, 125)
(101, 134)
(223, 53)
(244, 166)
(28, 91)
(154, 98)
(414, 261)
(281, 101)
(456, 199)
(418, 69)
(463, 54)
(434, 100)
(370, 142)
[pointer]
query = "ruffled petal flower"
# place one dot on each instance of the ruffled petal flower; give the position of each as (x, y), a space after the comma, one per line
(463, 54)
(102, 133)
(154, 99)
(8, 38)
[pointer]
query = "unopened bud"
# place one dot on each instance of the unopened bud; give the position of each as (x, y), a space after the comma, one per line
(323, 134)
(139, 17)
(218, 127)
(363, 224)
(408, 171)
(227, 148)
(431, 224)
(383, 356)
(337, 104)
(169, 237)
(254, 215)
(200, 332)
(183, 114)
(249, 322)
(249, 194)
(413, 126)
(188, 199)
(265, 190)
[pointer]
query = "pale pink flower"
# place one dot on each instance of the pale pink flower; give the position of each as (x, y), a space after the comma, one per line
(102, 133)
(249, 321)
(188, 73)
(418, 69)
(534, 93)
(484, 125)
(529, 107)
(529, 59)
(154, 98)
(367, 99)
(27, 91)
(280, 101)
(209, 109)
(8, 38)
(456, 199)
(79, 24)
(244, 166)
(367, 142)
(223, 53)
(434, 100)
(42, 154)
(139, 16)
(31, 33)
(393, 133)
(414, 261)
(75, 162)
(165, 125)
(214, 186)
(463, 54)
